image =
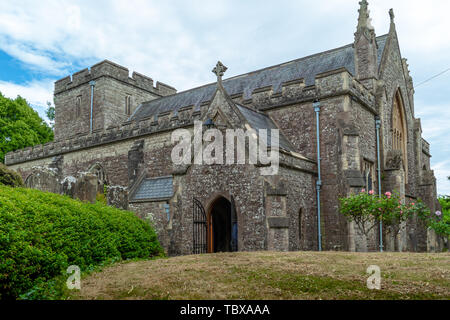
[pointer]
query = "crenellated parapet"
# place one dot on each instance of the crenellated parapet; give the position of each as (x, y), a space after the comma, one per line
(110, 69)
(127, 130)
(330, 84)
(426, 147)
(427, 178)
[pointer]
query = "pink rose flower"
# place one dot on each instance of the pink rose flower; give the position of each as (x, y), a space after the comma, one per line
(388, 194)
(371, 192)
(363, 190)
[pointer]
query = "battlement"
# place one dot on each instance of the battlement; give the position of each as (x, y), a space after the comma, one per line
(127, 130)
(427, 177)
(426, 147)
(110, 69)
(329, 84)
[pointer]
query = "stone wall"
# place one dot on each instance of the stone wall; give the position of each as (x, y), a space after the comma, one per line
(112, 85)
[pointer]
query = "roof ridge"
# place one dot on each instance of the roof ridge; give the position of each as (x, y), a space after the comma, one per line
(258, 70)
(299, 59)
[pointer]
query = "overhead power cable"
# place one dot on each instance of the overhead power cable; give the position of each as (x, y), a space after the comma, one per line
(432, 78)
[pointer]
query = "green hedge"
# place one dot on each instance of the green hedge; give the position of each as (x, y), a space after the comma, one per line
(9, 177)
(41, 234)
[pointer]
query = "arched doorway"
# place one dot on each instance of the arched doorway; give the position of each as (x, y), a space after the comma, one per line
(222, 226)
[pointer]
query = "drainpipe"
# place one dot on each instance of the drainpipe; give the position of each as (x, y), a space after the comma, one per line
(316, 106)
(378, 126)
(92, 84)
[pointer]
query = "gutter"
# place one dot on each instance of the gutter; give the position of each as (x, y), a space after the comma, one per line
(92, 84)
(378, 126)
(316, 106)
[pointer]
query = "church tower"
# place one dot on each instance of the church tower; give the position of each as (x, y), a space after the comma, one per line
(365, 46)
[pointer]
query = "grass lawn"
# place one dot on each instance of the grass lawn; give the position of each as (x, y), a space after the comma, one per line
(273, 275)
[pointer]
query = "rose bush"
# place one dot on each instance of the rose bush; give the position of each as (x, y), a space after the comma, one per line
(368, 209)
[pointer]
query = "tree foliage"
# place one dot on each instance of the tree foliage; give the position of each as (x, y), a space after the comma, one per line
(51, 113)
(20, 126)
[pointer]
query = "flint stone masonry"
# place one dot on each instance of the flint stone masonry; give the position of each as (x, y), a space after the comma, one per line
(112, 86)
(354, 84)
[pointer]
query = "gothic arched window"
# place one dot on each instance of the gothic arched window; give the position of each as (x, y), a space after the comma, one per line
(97, 169)
(399, 132)
(368, 175)
(128, 105)
(78, 107)
(300, 224)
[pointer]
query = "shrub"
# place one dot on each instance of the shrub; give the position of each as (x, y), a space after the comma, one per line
(41, 234)
(368, 209)
(440, 221)
(9, 177)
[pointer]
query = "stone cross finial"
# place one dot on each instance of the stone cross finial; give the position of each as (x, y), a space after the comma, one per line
(219, 70)
(391, 14)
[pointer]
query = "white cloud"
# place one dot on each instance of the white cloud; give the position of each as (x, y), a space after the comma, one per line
(37, 93)
(442, 172)
(178, 42)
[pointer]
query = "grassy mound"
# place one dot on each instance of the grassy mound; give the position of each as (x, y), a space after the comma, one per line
(41, 234)
(273, 276)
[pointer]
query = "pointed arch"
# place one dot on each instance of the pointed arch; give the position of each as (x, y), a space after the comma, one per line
(222, 216)
(102, 180)
(29, 181)
(399, 130)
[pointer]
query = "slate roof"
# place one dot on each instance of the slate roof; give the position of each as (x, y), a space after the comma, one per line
(261, 121)
(306, 68)
(155, 188)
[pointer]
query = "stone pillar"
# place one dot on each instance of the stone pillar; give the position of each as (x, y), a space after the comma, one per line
(427, 188)
(394, 181)
(135, 162)
(365, 47)
(276, 214)
(351, 163)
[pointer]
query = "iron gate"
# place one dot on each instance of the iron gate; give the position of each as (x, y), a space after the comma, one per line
(234, 227)
(200, 243)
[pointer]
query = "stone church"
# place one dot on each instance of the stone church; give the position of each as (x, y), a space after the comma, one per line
(113, 137)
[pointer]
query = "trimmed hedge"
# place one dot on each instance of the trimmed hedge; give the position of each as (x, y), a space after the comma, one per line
(41, 234)
(9, 177)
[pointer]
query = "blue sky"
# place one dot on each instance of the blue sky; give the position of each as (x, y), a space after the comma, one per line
(178, 43)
